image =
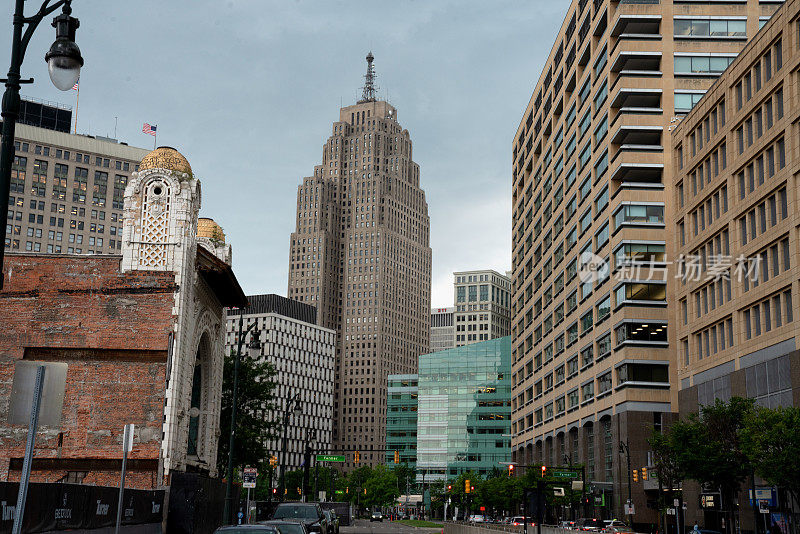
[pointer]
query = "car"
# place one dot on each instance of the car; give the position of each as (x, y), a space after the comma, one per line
(286, 527)
(333, 527)
(477, 519)
(589, 524)
(309, 514)
(247, 529)
(518, 521)
(624, 529)
(376, 516)
(567, 525)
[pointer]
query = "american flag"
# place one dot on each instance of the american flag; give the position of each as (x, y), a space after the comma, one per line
(149, 129)
(75, 87)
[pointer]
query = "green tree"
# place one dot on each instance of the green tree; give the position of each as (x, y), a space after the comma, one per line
(710, 450)
(255, 396)
(771, 441)
(406, 478)
(381, 488)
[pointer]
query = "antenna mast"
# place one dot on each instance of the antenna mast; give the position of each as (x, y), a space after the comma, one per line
(369, 89)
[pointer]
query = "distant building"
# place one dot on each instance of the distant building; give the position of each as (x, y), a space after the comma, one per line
(142, 334)
(464, 410)
(48, 115)
(483, 306)
(360, 253)
(303, 354)
(401, 419)
(66, 192)
(443, 329)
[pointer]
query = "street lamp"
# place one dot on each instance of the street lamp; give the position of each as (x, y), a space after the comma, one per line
(292, 406)
(64, 63)
(625, 448)
(254, 344)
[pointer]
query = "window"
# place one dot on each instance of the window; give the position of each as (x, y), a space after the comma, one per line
(697, 64)
(714, 28)
(640, 252)
(633, 214)
(586, 322)
(604, 308)
(685, 101)
(641, 292)
(634, 332)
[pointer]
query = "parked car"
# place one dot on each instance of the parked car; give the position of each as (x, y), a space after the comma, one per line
(287, 527)
(247, 529)
(477, 519)
(376, 516)
(309, 514)
(567, 524)
(517, 521)
(624, 529)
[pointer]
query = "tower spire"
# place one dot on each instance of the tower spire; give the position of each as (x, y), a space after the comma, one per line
(369, 89)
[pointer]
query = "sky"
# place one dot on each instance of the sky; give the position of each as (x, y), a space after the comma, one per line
(248, 90)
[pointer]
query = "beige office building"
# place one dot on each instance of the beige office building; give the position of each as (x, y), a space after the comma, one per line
(482, 306)
(592, 359)
(66, 192)
(361, 255)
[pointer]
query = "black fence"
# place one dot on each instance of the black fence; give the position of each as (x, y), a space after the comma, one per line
(56, 506)
(196, 503)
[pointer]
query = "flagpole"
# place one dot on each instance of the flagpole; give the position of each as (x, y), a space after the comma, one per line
(77, 100)
(155, 140)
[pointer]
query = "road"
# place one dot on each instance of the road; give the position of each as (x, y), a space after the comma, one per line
(363, 526)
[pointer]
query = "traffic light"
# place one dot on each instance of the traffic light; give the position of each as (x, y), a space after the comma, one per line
(644, 473)
(273, 461)
(357, 457)
(274, 491)
(466, 486)
(510, 469)
(299, 492)
(397, 457)
(347, 490)
(636, 475)
(365, 491)
(544, 471)
(449, 487)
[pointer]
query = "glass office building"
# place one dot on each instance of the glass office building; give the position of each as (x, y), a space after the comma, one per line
(464, 415)
(401, 419)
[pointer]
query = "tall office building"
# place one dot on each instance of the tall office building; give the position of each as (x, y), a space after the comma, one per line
(401, 420)
(66, 190)
(735, 218)
(360, 254)
(592, 361)
(443, 329)
(483, 306)
(303, 355)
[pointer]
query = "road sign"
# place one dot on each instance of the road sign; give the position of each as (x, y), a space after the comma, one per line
(630, 509)
(249, 475)
(763, 506)
(339, 492)
(564, 474)
(330, 458)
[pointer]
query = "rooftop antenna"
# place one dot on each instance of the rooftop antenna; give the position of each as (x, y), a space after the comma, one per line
(369, 88)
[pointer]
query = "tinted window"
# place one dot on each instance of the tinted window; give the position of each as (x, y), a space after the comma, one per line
(296, 512)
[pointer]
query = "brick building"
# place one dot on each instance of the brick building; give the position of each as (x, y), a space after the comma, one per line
(142, 334)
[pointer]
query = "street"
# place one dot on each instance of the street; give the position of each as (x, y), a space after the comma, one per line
(363, 526)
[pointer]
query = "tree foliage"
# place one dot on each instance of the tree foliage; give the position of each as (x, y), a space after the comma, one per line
(255, 396)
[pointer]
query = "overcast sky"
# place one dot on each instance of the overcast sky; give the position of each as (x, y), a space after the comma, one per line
(247, 90)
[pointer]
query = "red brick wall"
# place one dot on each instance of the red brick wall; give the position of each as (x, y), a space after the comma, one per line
(112, 330)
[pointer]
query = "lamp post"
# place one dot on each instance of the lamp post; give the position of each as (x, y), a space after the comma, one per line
(228, 511)
(311, 435)
(625, 448)
(295, 400)
(64, 64)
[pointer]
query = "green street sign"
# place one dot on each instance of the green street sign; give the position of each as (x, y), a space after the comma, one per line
(564, 474)
(339, 492)
(330, 458)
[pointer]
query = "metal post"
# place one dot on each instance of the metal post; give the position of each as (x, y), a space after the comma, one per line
(228, 511)
(282, 480)
(25, 477)
(125, 445)
(247, 513)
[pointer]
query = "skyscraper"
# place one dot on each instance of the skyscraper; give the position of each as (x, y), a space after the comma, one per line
(360, 254)
(483, 306)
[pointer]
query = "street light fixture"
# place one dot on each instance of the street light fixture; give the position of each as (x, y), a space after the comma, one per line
(64, 62)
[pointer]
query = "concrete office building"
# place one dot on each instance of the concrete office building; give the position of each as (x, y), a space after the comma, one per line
(67, 191)
(735, 199)
(401, 419)
(592, 361)
(464, 413)
(361, 255)
(303, 355)
(443, 329)
(483, 306)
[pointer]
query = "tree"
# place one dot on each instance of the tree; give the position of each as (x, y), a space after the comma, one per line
(711, 451)
(381, 488)
(255, 396)
(406, 478)
(771, 441)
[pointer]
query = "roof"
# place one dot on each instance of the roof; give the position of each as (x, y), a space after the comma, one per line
(220, 278)
(272, 303)
(166, 157)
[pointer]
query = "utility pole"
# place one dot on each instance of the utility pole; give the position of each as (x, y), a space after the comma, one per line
(625, 448)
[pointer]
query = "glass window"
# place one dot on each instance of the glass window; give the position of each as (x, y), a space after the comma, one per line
(640, 291)
(639, 214)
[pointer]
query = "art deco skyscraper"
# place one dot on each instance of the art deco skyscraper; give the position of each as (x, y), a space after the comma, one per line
(361, 254)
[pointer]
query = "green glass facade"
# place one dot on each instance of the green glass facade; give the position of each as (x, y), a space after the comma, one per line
(464, 416)
(401, 419)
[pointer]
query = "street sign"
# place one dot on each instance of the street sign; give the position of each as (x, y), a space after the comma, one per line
(330, 458)
(763, 506)
(249, 475)
(339, 492)
(630, 509)
(558, 492)
(564, 474)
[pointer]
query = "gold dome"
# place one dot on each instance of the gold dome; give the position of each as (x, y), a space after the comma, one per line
(210, 229)
(165, 157)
